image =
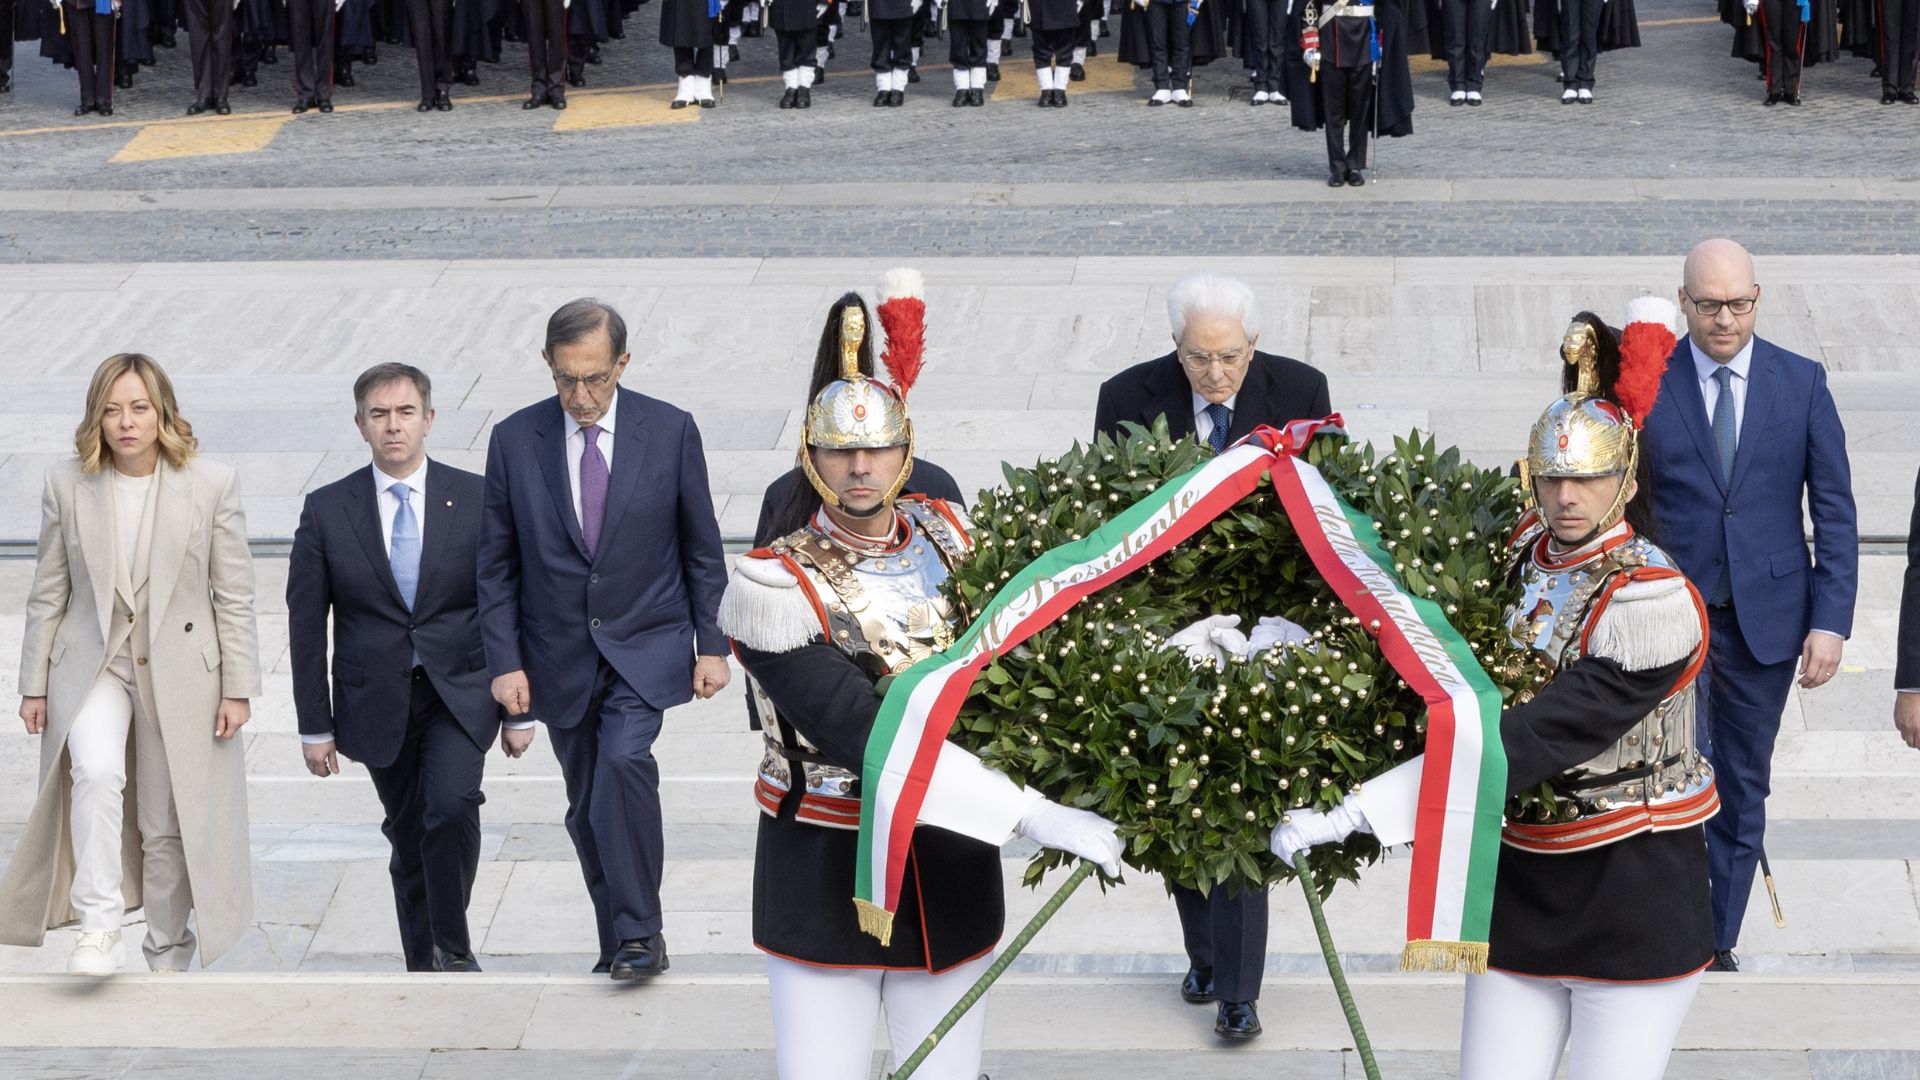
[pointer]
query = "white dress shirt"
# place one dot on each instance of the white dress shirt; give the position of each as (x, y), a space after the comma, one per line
(1202, 423)
(1703, 368)
(576, 444)
(388, 504)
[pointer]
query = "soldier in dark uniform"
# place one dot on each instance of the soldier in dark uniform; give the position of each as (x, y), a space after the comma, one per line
(90, 36)
(1000, 34)
(210, 39)
(686, 27)
(586, 29)
(967, 22)
(1266, 31)
(890, 23)
(310, 38)
(796, 30)
(1055, 25)
(544, 25)
(1354, 96)
(430, 22)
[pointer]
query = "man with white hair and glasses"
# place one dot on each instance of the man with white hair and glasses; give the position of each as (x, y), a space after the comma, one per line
(1216, 386)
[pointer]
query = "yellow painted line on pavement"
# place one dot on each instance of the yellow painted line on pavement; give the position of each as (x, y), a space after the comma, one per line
(623, 110)
(159, 142)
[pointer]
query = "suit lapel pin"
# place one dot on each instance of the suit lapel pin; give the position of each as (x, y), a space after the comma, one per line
(449, 502)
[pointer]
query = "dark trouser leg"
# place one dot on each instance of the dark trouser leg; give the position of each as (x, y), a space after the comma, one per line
(1347, 119)
(6, 40)
(1590, 12)
(1479, 32)
(1052, 48)
(967, 43)
(311, 30)
(1453, 17)
(892, 44)
(1239, 928)
(1196, 926)
(1740, 700)
(578, 46)
(1256, 34)
(795, 47)
(205, 19)
(693, 62)
(96, 62)
(451, 767)
(544, 25)
(1159, 44)
(1274, 71)
(1179, 48)
(401, 796)
(1898, 43)
(613, 809)
(428, 22)
(1785, 37)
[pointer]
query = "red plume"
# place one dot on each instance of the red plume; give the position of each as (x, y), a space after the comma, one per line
(1645, 345)
(903, 314)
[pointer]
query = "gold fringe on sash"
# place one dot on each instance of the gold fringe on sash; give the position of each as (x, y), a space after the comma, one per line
(1468, 957)
(878, 921)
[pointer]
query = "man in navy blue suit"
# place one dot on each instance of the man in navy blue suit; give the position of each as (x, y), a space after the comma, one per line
(600, 579)
(1742, 431)
(388, 551)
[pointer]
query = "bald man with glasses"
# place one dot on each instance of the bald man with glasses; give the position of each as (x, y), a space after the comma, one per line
(1216, 386)
(1743, 432)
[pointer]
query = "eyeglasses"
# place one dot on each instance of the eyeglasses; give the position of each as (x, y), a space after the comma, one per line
(1198, 363)
(593, 383)
(1741, 306)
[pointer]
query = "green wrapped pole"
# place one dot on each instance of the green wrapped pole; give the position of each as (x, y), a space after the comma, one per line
(1332, 957)
(999, 966)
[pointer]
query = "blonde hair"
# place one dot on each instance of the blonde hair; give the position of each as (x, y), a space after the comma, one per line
(176, 440)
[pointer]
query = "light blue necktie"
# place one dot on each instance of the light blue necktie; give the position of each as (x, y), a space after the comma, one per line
(405, 554)
(1222, 418)
(1725, 437)
(1725, 440)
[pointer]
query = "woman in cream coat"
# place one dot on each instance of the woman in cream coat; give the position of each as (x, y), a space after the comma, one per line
(139, 663)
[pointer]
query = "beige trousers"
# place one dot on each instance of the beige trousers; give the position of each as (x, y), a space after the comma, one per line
(97, 755)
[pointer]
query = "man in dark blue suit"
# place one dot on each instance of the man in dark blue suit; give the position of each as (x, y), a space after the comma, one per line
(1742, 430)
(389, 551)
(600, 580)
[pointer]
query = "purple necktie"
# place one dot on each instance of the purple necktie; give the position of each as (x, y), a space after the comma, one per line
(593, 488)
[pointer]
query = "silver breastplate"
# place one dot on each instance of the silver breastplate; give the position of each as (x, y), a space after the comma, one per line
(1656, 762)
(884, 609)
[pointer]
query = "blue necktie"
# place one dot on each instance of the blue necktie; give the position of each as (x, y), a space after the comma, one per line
(1725, 437)
(405, 554)
(1725, 440)
(1222, 418)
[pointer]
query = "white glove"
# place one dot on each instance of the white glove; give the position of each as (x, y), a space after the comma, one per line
(819, 11)
(1274, 630)
(1305, 829)
(338, 4)
(1076, 832)
(916, 6)
(1312, 57)
(1751, 6)
(1212, 640)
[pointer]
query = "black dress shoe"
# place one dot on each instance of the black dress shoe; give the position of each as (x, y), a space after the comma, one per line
(803, 98)
(345, 78)
(1773, 99)
(270, 55)
(538, 100)
(593, 54)
(993, 72)
(197, 108)
(105, 110)
(1356, 178)
(249, 79)
(443, 103)
(1238, 1021)
(641, 958)
(83, 110)
(223, 109)
(1337, 177)
(1724, 960)
(6, 84)
(169, 40)
(576, 80)
(301, 106)
(720, 76)
(323, 106)
(960, 99)
(787, 99)
(455, 961)
(603, 967)
(733, 52)
(1077, 73)
(124, 80)
(1888, 97)
(707, 103)
(424, 106)
(819, 75)
(976, 98)
(1185, 102)
(1059, 99)
(558, 101)
(1909, 97)
(1793, 99)
(913, 74)
(1197, 987)
(881, 97)
(897, 98)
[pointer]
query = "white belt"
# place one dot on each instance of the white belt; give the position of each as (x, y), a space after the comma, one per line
(1360, 11)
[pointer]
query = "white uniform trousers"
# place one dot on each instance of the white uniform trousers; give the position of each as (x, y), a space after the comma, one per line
(97, 756)
(1516, 1027)
(824, 1020)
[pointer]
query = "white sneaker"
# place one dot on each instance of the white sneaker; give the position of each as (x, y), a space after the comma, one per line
(1180, 96)
(1458, 97)
(1567, 96)
(95, 954)
(1586, 97)
(1278, 99)
(1259, 97)
(1474, 98)
(1162, 96)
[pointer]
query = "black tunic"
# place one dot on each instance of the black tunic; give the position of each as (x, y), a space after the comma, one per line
(951, 909)
(685, 24)
(793, 16)
(1633, 910)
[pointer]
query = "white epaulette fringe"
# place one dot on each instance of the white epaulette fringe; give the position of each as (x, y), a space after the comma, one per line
(1647, 624)
(765, 609)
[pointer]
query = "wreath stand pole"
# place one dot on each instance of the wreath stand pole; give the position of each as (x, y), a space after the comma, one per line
(1332, 957)
(999, 966)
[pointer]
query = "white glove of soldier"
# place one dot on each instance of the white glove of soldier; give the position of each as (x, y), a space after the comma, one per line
(1213, 640)
(1305, 829)
(1274, 630)
(338, 4)
(1076, 832)
(819, 11)
(1312, 57)
(1751, 6)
